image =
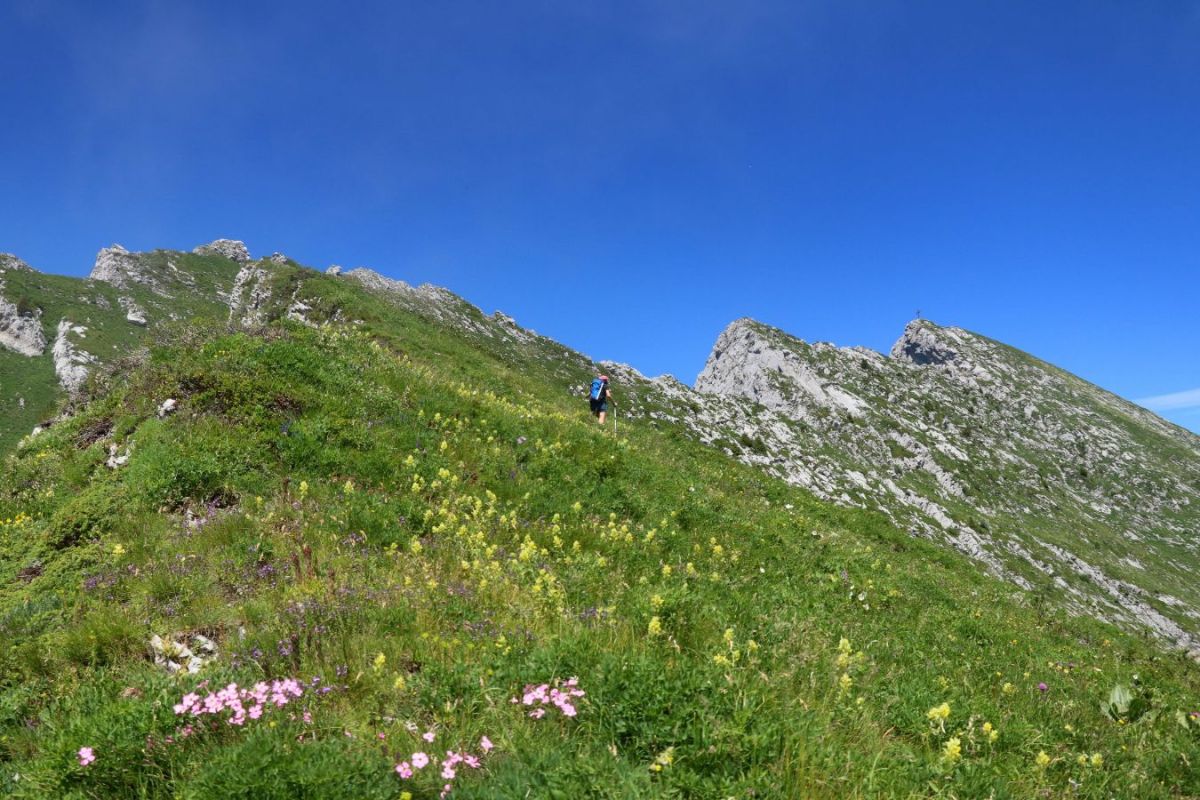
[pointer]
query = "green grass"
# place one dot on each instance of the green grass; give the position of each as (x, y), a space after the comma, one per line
(426, 529)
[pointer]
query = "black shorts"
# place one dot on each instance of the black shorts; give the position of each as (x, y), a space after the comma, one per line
(598, 405)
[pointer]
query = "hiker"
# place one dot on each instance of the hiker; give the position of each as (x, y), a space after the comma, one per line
(600, 397)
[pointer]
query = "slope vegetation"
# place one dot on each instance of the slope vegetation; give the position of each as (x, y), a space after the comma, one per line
(364, 552)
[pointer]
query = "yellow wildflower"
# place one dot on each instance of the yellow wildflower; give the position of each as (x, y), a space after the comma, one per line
(118, 550)
(952, 750)
(845, 683)
(938, 713)
(663, 760)
(655, 627)
(1042, 760)
(1097, 760)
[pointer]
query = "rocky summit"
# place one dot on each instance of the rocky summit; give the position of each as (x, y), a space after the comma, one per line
(1047, 480)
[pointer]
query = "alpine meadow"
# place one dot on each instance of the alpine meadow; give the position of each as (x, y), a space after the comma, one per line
(272, 532)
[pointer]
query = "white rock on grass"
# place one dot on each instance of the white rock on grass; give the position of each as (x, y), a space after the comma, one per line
(70, 362)
(232, 249)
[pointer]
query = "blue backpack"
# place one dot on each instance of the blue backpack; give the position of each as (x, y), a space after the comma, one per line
(598, 387)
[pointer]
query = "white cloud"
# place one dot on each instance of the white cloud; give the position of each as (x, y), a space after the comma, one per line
(1174, 401)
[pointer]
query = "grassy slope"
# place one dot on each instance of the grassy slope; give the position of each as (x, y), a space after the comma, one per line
(193, 283)
(518, 544)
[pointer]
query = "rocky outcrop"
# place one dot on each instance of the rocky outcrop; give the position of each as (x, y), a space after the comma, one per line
(10, 262)
(21, 332)
(744, 363)
(427, 300)
(920, 345)
(226, 248)
(133, 312)
(20, 328)
(963, 439)
(249, 296)
(117, 266)
(71, 362)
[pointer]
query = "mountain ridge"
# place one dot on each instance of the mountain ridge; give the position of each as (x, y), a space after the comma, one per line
(804, 412)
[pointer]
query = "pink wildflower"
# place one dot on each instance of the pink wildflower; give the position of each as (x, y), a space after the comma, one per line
(428, 736)
(472, 762)
(537, 713)
(448, 772)
(86, 756)
(420, 760)
(187, 703)
(1043, 687)
(308, 716)
(486, 745)
(404, 770)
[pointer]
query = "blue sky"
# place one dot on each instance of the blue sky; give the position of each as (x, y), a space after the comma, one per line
(1030, 171)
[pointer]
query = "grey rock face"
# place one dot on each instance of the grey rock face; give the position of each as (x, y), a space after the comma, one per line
(249, 296)
(10, 262)
(120, 268)
(232, 249)
(133, 312)
(71, 362)
(21, 333)
(1035, 473)
(919, 345)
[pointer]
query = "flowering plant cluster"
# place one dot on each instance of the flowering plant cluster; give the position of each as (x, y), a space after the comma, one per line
(451, 764)
(559, 695)
(241, 704)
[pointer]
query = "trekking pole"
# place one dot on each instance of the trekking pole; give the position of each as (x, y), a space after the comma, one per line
(614, 418)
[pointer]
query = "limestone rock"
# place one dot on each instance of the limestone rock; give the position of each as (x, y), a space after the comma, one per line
(21, 333)
(133, 312)
(249, 296)
(71, 362)
(967, 441)
(920, 345)
(232, 249)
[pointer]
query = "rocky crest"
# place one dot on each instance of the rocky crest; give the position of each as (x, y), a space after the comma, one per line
(232, 249)
(1042, 477)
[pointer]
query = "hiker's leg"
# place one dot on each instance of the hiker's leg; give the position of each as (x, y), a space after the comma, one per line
(603, 414)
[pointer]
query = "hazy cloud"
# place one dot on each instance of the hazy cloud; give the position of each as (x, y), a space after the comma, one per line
(1173, 401)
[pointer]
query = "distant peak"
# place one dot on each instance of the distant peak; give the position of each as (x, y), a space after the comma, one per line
(921, 344)
(232, 249)
(9, 261)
